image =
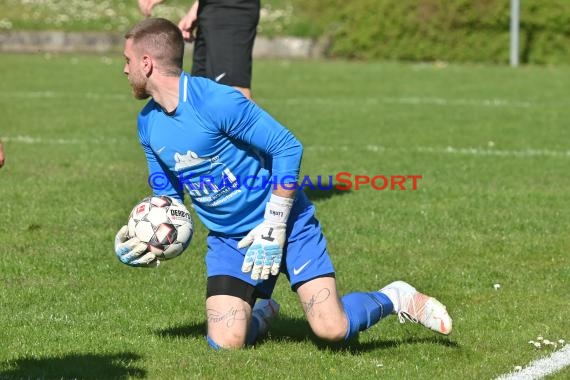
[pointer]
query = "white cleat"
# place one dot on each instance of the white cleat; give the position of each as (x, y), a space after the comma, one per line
(411, 305)
(265, 310)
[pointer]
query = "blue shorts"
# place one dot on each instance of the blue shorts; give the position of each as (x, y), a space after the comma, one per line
(305, 254)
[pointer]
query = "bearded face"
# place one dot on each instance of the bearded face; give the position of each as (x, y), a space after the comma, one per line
(134, 72)
(138, 83)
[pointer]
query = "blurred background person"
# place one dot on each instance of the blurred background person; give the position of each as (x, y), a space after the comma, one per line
(223, 33)
(2, 156)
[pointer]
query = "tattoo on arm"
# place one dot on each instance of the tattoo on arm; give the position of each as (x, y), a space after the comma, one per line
(320, 297)
(229, 317)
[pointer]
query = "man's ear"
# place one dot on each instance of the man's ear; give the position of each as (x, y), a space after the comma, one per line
(147, 65)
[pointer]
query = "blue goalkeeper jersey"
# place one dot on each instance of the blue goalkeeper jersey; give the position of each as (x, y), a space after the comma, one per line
(221, 149)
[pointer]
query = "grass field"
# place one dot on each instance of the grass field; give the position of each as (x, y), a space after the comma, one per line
(492, 207)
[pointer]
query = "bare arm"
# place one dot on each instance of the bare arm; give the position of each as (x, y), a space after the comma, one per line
(146, 6)
(188, 23)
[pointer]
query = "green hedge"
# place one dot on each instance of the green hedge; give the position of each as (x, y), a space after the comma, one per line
(448, 30)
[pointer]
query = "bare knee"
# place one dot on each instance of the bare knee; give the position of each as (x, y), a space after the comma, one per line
(245, 91)
(227, 341)
(330, 329)
(323, 308)
(228, 318)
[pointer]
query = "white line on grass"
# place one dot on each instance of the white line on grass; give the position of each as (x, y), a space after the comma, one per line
(408, 100)
(368, 100)
(58, 141)
(496, 152)
(470, 151)
(63, 95)
(458, 102)
(39, 140)
(542, 367)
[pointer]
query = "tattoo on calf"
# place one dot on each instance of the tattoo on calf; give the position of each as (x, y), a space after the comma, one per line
(320, 297)
(229, 317)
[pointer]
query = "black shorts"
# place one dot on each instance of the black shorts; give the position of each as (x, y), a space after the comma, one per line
(231, 286)
(224, 41)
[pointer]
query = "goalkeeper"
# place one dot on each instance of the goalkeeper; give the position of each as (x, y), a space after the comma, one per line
(193, 128)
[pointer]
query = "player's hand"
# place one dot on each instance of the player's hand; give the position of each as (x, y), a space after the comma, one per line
(146, 6)
(189, 22)
(266, 241)
(132, 251)
(265, 244)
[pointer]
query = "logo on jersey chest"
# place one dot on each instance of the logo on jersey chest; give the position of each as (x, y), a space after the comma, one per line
(192, 171)
(188, 160)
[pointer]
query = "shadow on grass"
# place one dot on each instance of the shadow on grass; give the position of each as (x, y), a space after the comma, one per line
(323, 192)
(297, 330)
(75, 366)
(194, 330)
(355, 347)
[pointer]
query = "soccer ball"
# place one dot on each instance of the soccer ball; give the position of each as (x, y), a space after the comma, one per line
(164, 224)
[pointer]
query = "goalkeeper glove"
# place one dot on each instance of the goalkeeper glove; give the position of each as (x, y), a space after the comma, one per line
(266, 241)
(132, 251)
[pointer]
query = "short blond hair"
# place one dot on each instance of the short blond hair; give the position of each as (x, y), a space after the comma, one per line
(163, 40)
